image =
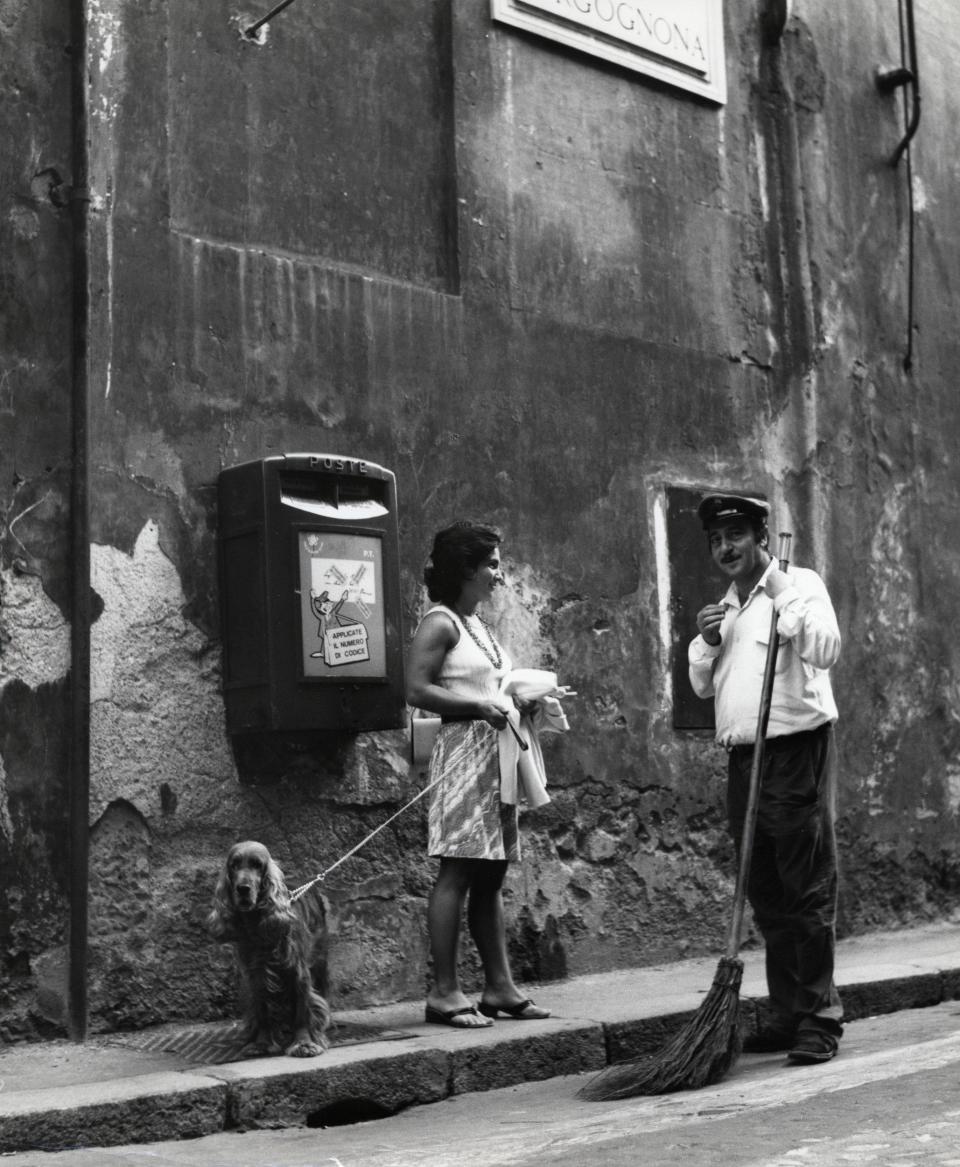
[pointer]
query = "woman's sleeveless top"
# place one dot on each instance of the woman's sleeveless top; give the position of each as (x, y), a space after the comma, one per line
(466, 669)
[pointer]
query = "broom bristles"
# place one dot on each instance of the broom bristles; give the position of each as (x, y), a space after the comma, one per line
(699, 1055)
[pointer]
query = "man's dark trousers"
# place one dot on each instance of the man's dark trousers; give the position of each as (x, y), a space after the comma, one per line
(793, 873)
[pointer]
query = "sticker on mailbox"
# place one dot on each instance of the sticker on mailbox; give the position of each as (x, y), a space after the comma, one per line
(342, 605)
(346, 646)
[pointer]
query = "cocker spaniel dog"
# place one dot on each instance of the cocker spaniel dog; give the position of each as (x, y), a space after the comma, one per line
(281, 951)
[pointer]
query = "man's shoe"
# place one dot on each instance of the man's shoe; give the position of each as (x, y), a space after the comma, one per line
(813, 1046)
(769, 1040)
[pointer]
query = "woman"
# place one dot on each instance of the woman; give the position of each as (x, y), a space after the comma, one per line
(455, 668)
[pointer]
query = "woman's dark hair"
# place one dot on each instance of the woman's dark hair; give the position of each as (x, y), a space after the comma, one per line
(458, 550)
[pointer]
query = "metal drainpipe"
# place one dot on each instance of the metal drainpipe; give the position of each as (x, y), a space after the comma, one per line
(914, 82)
(79, 743)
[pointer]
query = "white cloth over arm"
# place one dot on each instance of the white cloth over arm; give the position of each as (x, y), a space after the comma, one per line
(523, 771)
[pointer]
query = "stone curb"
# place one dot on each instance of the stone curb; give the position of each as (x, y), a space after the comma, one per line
(103, 1114)
(633, 1039)
(378, 1078)
(353, 1082)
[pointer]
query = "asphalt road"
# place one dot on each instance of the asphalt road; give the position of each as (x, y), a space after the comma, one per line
(891, 1098)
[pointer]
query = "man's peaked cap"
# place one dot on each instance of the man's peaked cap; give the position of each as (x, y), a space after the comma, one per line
(715, 508)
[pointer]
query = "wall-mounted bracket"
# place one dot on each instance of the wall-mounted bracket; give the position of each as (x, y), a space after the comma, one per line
(252, 30)
(891, 77)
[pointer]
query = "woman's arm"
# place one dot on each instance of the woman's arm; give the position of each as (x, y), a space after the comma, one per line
(434, 639)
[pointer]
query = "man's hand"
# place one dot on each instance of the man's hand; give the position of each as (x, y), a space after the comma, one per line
(776, 582)
(708, 623)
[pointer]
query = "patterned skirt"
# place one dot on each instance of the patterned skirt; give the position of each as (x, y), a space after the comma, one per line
(466, 819)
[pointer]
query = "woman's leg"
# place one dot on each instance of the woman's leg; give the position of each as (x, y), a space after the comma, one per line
(443, 919)
(485, 919)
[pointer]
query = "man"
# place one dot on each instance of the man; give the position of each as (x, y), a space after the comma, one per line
(793, 875)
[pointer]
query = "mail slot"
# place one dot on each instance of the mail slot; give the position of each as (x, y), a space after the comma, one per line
(310, 595)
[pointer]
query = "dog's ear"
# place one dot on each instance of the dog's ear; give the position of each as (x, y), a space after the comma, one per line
(220, 919)
(273, 889)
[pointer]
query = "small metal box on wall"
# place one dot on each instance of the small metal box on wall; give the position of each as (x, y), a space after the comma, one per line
(310, 595)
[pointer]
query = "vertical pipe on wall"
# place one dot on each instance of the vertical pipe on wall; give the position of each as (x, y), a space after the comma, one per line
(79, 744)
(914, 82)
(795, 320)
(445, 33)
(908, 31)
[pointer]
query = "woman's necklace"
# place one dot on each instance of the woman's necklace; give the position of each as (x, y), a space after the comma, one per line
(494, 656)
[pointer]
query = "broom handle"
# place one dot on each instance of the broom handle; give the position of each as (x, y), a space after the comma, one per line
(753, 794)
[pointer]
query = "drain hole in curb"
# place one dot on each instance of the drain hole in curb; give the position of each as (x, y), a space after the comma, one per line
(346, 1111)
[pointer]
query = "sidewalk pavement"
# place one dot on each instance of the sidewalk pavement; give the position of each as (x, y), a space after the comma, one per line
(138, 1088)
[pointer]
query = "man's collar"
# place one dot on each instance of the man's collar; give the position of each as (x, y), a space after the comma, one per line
(732, 596)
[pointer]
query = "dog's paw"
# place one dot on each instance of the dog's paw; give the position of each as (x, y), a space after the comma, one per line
(304, 1049)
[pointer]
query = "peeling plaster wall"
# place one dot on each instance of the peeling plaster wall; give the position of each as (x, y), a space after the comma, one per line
(542, 291)
(34, 662)
(157, 716)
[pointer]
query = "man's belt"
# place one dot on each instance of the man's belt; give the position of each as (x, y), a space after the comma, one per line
(745, 749)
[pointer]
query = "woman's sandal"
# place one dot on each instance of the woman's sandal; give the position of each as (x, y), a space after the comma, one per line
(452, 1017)
(523, 1011)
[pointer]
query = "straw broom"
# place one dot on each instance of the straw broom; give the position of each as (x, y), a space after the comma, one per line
(707, 1047)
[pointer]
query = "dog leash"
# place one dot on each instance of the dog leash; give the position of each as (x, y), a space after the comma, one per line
(298, 892)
